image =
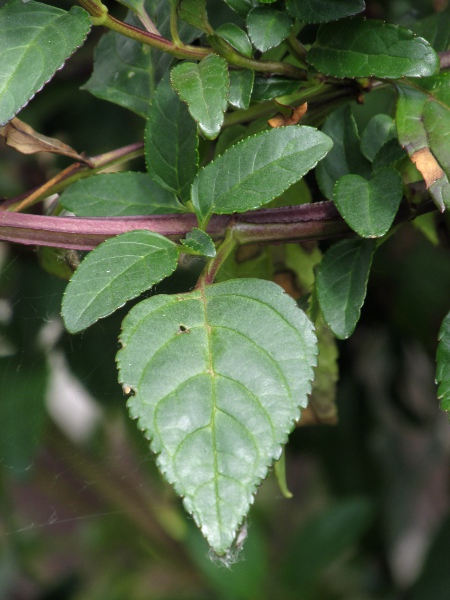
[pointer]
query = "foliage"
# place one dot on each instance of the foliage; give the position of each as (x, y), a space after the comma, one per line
(253, 137)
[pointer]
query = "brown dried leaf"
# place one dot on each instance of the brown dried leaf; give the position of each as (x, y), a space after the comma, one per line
(428, 166)
(25, 139)
(297, 113)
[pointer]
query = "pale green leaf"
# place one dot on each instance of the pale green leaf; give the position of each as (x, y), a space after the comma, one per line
(244, 355)
(119, 194)
(268, 27)
(201, 242)
(443, 364)
(364, 48)
(35, 41)
(171, 142)
(257, 170)
(116, 271)
(204, 88)
(323, 11)
(342, 283)
(369, 206)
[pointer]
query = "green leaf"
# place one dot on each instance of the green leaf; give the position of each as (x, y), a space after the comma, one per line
(443, 364)
(216, 425)
(423, 126)
(119, 194)
(364, 48)
(323, 11)
(266, 88)
(342, 282)
(369, 207)
(241, 86)
(35, 41)
(268, 27)
(435, 29)
(194, 13)
(116, 271)
(204, 88)
(389, 154)
(236, 37)
(379, 130)
(171, 142)
(241, 7)
(257, 170)
(345, 156)
(201, 242)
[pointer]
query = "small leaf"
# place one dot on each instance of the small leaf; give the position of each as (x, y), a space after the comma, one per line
(236, 37)
(423, 125)
(119, 194)
(345, 156)
(241, 7)
(116, 271)
(194, 13)
(379, 130)
(266, 88)
(171, 142)
(323, 11)
(365, 48)
(369, 207)
(204, 88)
(35, 42)
(257, 170)
(443, 364)
(389, 154)
(342, 282)
(268, 27)
(244, 354)
(25, 139)
(241, 85)
(201, 242)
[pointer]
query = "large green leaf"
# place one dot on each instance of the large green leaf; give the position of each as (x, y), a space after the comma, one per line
(218, 376)
(268, 27)
(345, 156)
(342, 282)
(257, 170)
(204, 88)
(369, 207)
(364, 48)
(119, 194)
(443, 364)
(116, 271)
(35, 41)
(171, 142)
(423, 126)
(323, 11)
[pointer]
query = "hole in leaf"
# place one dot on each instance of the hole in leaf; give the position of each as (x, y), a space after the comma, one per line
(183, 329)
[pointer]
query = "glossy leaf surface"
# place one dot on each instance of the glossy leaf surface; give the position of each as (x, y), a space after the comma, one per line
(236, 37)
(364, 48)
(342, 283)
(369, 207)
(257, 170)
(423, 126)
(171, 142)
(323, 11)
(268, 27)
(241, 7)
(204, 88)
(245, 354)
(116, 271)
(266, 88)
(119, 194)
(443, 364)
(35, 41)
(379, 130)
(241, 86)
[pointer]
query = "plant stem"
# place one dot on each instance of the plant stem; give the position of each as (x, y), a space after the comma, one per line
(226, 247)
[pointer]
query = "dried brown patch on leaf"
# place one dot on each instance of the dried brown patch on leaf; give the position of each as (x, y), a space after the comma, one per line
(280, 120)
(428, 166)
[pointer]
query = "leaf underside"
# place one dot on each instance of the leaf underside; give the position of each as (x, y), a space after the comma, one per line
(244, 353)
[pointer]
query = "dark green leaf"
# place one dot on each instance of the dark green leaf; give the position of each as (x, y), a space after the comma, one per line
(171, 142)
(204, 88)
(369, 207)
(364, 48)
(345, 156)
(241, 86)
(423, 125)
(119, 194)
(379, 130)
(388, 155)
(257, 170)
(323, 11)
(116, 271)
(217, 425)
(241, 7)
(194, 13)
(435, 29)
(342, 282)
(236, 37)
(200, 241)
(35, 41)
(268, 27)
(443, 364)
(266, 88)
